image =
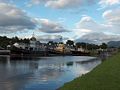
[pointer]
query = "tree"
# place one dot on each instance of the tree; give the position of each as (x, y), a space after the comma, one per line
(4, 41)
(103, 46)
(61, 43)
(70, 42)
(15, 39)
(50, 43)
(86, 45)
(81, 44)
(92, 46)
(25, 40)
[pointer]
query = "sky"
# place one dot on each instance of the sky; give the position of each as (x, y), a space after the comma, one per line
(93, 21)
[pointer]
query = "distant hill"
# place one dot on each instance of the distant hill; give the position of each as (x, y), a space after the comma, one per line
(114, 44)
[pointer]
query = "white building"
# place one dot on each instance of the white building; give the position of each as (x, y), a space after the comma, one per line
(62, 48)
(21, 45)
(33, 46)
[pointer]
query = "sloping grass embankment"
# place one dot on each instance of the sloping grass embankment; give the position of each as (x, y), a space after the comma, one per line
(105, 76)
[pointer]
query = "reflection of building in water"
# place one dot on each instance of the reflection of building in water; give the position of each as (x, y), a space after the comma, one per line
(14, 84)
(4, 52)
(33, 66)
(5, 59)
(47, 73)
(69, 64)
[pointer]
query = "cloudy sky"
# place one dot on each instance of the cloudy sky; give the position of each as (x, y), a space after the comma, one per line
(93, 21)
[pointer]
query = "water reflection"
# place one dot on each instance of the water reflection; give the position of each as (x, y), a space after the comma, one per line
(69, 64)
(44, 73)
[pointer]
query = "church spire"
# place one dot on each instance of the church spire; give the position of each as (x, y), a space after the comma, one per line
(33, 37)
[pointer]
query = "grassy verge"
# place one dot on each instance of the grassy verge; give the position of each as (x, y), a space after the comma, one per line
(106, 76)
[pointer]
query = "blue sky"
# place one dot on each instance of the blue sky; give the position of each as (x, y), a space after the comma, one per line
(77, 20)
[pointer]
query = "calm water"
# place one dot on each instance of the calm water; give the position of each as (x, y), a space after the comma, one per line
(47, 73)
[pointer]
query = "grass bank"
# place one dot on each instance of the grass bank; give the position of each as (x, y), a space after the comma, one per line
(105, 76)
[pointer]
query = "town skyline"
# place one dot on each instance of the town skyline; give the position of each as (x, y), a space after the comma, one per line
(95, 21)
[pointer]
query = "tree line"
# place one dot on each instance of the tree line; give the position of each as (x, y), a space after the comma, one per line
(4, 41)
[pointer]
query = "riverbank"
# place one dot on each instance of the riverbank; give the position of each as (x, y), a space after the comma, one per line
(106, 76)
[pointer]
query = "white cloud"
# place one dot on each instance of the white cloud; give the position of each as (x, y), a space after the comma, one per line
(7, 1)
(87, 27)
(13, 19)
(80, 32)
(98, 38)
(87, 23)
(64, 3)
(106, 3)
(112, 16)
(58, 4)
(36, 2)
(54, 38)
(4, 1)
(68, 3)
(111, 22)
(112, 19)
(48, 26)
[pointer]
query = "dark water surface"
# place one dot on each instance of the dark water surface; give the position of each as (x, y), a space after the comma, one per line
(44, 73)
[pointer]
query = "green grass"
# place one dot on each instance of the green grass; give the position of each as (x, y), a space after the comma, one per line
(105, 76)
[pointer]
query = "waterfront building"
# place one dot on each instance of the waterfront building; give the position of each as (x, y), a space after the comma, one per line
(63, 48)
(21, 45)
(80, 49)
(4, 52)
(34, 45)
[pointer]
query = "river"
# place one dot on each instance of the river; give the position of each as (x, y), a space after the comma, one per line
(44, 73)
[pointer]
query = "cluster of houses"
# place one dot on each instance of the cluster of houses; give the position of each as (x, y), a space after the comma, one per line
(33, 46)
(36, 45)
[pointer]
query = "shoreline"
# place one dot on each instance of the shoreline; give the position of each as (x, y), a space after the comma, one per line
(82, 82)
